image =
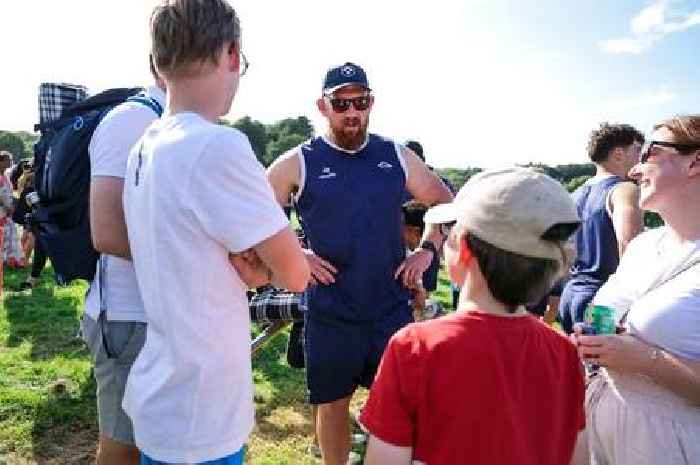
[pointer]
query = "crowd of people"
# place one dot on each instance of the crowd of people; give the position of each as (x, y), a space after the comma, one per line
(17, 244)
(186, 221)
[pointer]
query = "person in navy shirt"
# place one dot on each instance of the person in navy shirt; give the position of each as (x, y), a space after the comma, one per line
(348, 186)
(608, 205)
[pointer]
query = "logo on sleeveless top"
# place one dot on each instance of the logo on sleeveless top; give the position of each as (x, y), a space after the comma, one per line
(347, 71)
(326, 173)
(384, 165)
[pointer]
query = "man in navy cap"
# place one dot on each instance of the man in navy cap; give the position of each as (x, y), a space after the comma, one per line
(348, 187)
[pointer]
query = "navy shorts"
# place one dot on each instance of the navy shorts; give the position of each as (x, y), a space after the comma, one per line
(341, 356)
(573, 303)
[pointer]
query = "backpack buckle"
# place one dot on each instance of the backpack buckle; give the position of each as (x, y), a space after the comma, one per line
(78, 123)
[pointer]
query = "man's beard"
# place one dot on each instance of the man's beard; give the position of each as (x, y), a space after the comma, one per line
(350, 134)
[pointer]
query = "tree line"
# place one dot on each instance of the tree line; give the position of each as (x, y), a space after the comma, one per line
(19, 143)
(571, 176)
(269, 141)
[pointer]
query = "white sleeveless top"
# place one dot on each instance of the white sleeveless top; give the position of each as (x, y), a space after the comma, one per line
(668, 315)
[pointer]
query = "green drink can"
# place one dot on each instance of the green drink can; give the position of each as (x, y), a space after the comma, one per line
(601, 318)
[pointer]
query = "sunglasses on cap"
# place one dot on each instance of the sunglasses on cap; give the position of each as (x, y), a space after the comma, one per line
(648, 147)
(341, 105)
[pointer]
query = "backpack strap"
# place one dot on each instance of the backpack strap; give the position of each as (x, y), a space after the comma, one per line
(149, 102)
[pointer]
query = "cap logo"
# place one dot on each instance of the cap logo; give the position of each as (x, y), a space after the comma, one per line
(347, 71)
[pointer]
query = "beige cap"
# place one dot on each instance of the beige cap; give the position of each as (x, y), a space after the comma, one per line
(511, 209)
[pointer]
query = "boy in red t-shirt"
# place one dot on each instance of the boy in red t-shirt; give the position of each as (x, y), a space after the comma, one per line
(489, 384)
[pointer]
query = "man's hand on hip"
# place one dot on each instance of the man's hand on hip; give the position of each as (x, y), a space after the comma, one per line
(322, 272)
(412, 269)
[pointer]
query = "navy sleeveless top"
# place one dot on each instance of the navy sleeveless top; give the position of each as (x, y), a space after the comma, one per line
(349, 207)
(597, 253)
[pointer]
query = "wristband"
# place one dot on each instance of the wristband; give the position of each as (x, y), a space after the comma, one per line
(429, 245)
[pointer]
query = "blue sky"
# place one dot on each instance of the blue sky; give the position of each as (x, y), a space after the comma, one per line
(479, 82)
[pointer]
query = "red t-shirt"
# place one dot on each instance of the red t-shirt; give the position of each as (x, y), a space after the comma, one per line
(475, 388)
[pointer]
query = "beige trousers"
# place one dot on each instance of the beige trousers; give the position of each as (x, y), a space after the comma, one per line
(633, 421)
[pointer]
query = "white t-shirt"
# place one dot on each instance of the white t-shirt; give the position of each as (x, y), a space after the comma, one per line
(194, 191)
(668, 316)
(109, 150)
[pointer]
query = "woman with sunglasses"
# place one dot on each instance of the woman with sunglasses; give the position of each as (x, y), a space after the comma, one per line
(644, 406)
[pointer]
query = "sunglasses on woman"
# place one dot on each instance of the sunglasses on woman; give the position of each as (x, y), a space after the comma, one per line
(648, 147)
(341, 105)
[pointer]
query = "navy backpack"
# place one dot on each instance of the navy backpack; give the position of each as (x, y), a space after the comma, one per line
(60, 219)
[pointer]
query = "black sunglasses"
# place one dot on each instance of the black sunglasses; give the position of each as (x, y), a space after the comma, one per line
(341, 105)
(645, 153)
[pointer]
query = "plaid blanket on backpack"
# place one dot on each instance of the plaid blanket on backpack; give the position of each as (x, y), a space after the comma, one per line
(54, 98)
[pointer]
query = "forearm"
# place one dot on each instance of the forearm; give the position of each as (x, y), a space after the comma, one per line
(111, 238)
(677, 374)
(122, 252)
(107, 223)
(383, 453)
(282, 254)
(432, 233)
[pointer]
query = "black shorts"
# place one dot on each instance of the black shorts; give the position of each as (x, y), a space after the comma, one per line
(341, 356)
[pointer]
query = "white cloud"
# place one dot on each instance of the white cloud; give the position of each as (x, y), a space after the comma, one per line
(649, 26)
(625, 46)
(649, 18)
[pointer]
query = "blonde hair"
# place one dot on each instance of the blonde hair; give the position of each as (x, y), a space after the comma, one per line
(685, 128)
(186, 34)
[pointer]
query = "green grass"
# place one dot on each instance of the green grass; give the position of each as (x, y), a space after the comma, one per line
(46, 387)
(47, 392)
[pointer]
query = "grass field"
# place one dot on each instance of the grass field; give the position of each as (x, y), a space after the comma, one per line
(47, 392)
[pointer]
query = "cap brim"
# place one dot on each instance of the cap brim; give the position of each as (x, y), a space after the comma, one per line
(330, 90)
(445, 213)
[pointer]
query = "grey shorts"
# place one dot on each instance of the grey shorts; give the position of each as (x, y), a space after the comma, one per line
(114, 346)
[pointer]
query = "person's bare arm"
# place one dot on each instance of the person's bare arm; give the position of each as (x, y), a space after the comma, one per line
(107, 224)
(626, 215)
(283, 255)
(284, 175)
(680, 375)
(428, 189)
(624, 352)
(383, 453)
(424, 185)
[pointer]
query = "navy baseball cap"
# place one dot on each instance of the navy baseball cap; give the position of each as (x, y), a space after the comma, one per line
(348, 74)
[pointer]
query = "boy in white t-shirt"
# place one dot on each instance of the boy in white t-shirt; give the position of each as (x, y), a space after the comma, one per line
(195, 193)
